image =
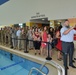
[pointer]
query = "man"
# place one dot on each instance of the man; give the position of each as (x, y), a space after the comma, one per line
(67, 37)
(18, 34)
(29, 36)
(13, 35)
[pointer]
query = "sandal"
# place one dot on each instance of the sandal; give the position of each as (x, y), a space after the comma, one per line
(35, 53)
(39, 53)
(59, 59)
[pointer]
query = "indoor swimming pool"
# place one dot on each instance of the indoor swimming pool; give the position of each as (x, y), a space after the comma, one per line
(11, 64)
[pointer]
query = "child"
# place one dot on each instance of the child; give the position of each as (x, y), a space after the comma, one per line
(49, 39)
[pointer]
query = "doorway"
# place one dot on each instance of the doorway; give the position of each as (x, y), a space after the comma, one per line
(40, 22)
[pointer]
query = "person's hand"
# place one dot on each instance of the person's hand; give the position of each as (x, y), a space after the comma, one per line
(73, 27)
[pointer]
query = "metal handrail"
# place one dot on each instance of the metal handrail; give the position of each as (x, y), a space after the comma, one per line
(61, 70)
(36, 70)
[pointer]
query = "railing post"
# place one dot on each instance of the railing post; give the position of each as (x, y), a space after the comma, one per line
(48, 57)
(66, 71)
(25, 51)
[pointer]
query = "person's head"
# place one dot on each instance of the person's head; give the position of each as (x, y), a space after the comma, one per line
(66, 23)
(18, 28)
(22, 30)
(59, 28)
(30, 28)
(36, 29)
(50, 29)
(49, 36)
(44, 28)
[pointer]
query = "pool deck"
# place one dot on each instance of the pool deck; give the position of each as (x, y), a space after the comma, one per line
(40, 59)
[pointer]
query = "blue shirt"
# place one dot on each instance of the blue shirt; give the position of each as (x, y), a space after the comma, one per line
(18, 33)
(68, 37)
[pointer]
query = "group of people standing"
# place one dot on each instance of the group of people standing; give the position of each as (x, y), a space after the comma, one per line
(42, 38)
(38, 39)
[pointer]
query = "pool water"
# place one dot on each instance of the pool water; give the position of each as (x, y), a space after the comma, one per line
(11, 64)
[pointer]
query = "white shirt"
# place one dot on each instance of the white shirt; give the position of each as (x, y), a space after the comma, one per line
(68, 37)
(18, 33)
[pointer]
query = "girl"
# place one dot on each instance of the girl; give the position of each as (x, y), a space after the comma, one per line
(49, 40)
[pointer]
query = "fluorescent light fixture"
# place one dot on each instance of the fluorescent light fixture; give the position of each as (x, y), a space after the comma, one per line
(58, 22)
(43, 19)
(51, 23)
(20, 24)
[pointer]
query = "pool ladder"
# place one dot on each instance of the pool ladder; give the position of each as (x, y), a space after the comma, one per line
(59, 68)
(39, 70)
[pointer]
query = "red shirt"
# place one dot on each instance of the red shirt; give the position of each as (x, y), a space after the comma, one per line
(74, 34)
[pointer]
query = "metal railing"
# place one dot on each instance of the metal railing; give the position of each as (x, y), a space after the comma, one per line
(61, 71)
(30, 73)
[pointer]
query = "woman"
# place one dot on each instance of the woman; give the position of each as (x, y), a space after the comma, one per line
(37, 43)
(44, 39)
(49, 39)
(59, 44)
(51, 31)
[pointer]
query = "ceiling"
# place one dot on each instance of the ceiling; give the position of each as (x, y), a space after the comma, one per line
(21, 11)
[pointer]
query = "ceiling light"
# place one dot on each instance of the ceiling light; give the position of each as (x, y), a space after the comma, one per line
(58, 22)
(51, 23)
(43, 19)
(20, 24)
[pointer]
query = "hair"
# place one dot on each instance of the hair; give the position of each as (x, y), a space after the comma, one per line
(49, 29)
(43, 27)
(37, 29)
(65, 20)
(59, 28)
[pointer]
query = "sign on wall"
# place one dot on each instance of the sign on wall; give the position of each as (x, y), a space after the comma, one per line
(38, 15)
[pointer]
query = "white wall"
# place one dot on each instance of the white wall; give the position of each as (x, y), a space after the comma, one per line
(20, 11)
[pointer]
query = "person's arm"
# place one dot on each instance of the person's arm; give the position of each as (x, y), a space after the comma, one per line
(51, 40)
(67, 31)
(58, 35)
(42, 35)
(33, 36)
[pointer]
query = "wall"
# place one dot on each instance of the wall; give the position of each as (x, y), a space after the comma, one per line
(52, 23)
(72, 21)
(21, 11)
